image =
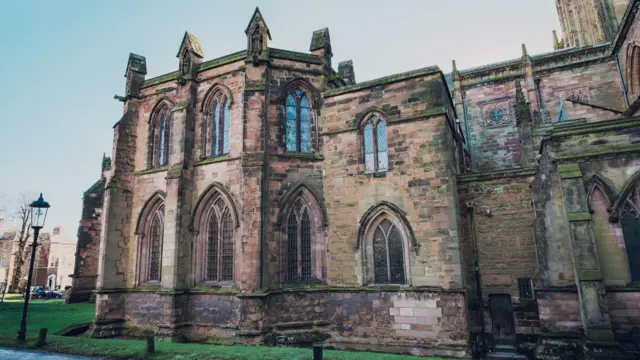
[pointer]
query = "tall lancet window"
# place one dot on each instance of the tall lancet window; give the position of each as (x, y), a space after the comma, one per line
(220, 123)
(375, 144)
(298, 122)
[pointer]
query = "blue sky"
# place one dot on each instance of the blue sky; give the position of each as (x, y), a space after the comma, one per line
(62, 62)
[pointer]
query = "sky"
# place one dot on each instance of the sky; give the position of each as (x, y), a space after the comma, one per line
(63, 61)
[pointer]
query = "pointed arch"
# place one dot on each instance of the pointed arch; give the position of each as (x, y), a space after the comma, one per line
(215, 89)
(302, 224)
(210, 192)
(626, 190)
(632, 73)
(157, 196)
(159, 136)
(216, 121)
(296, 190)
(165, 101)
(149, 240)
(362, 118)
(597, 181)
(386, 238)
(214, 226)
(387, 207)
(373, 127)
(300, 104)
(305, 85)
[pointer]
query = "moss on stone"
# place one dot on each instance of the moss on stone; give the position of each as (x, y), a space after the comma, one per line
(151, 171)
(578, 217)
(384, 80)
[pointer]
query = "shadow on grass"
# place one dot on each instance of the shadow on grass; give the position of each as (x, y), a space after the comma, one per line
(56, 316)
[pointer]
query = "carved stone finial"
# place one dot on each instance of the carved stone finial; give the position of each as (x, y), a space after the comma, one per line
(524, 51)
(190, 55)
(258, 35)
(345, 69)
(135, 73)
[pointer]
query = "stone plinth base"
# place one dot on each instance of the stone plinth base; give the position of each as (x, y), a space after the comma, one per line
(80, 295)
(107, 328)
(555, 347)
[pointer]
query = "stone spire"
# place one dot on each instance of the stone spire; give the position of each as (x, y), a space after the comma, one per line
(557, 44)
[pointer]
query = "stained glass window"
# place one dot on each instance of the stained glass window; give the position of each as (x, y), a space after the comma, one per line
(381, 143)
(292, 253)
(388, 257)
(164, 139)
(298, 122)
(219, 245)
(299, 244)
(292, 124)
(369, 156)
(226, 126)
(155, 245)
(375, 149)
(215, 128)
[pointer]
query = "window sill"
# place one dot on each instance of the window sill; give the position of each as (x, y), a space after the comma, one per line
(377, 173)
(303, 284)
(299, 155)
(153, 170)
(213, 160)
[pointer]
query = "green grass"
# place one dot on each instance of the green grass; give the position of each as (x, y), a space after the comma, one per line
(55, 316)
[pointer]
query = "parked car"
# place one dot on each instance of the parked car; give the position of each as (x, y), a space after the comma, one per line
(46, 294)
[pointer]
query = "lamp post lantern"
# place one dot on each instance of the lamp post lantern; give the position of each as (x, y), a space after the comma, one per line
(39, 210)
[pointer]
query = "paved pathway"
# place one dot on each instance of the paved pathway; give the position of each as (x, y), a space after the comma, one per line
(10, 354)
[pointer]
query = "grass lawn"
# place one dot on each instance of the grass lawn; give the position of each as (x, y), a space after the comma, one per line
(55, 315)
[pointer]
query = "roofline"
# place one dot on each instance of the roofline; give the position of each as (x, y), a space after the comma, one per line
(627, 20)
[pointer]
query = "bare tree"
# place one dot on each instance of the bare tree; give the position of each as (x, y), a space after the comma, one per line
(21, 219)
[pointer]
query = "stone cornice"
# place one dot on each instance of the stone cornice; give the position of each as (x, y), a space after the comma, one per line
(561, 130)
(541, 64)
(497, 175)
(384, 80)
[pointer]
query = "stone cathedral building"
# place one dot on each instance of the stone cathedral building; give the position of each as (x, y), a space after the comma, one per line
(265, 197)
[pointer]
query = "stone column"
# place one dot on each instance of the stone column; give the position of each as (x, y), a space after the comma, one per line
(594, 310)
(177, 239)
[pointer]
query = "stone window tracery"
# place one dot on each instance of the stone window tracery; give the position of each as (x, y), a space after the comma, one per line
(150, 233)
(214, 247)
(220, 119)
(386, 250)
(375, 144)
(303, 237)
(160, 137)
(298, 121)
(630, 221)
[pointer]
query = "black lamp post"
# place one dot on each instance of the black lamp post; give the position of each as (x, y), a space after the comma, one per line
(39, 210)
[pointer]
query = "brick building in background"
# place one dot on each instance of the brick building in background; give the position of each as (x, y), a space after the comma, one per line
(264, 197)
(85, 270)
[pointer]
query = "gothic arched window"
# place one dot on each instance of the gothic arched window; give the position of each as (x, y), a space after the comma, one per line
(375, 144)
(160, 137)
(150, 233)
(630, 221)
(304, 247)
(219, 252)
(214, 224)
(298, 122)
(386, 247)
(156, 230)
(299, 263)
(220, 122)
